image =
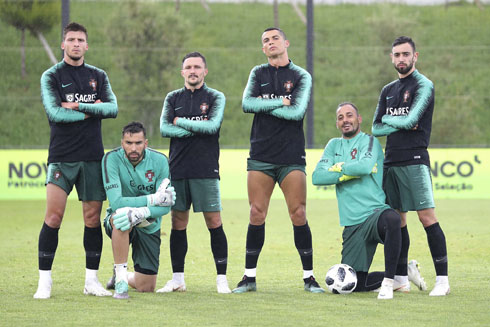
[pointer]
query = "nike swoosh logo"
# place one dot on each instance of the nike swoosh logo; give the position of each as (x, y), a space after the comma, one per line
(387, 98)
(65, 85)
(422, 202)
(178, 108)
(264, 84)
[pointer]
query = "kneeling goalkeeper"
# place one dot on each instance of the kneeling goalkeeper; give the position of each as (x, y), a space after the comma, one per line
(136, 181)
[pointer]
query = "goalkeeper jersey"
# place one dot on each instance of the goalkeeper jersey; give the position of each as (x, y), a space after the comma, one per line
(363, 157)
(277, 135)
(128, 186)
(403, 105)
(74, 138)
(194, 141)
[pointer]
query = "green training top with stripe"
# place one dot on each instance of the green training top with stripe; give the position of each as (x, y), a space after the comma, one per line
(277, 135)
(194, 141)
(404, 113)
(128, 186)
(363, 157)
(74, 138)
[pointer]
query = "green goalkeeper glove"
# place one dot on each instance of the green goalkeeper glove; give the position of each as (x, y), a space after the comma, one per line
(345, 178)
(127, 217)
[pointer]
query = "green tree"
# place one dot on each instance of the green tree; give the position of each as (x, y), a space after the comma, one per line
(34, 16)
(149, 43)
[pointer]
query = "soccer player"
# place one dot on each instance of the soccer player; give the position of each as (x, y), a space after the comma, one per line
(191, 118)
(136, 181)
(277, 93)
(353, 163)
(76, 97)
(404, 114)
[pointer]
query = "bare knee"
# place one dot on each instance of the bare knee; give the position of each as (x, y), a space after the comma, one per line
(53, 219)
(180, 219)
(427, 217)
(257, 215)
(298, 215)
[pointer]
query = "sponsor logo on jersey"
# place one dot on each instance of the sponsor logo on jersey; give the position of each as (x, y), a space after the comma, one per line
(402, 111)
(84, 98)
(353, 153)
(204, 108)
(150, 174)
(273, 96)
(288, 86)
(93, 84)
(406, 96)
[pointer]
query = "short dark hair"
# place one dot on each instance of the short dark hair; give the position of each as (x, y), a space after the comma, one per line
(348, 104)
(276, 29)
(74, 27)
(195, 54)
(403, 39)
(133, 128)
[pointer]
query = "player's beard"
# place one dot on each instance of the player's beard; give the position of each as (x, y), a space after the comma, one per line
(352, 132)
(134, 159)
(197, 81)
(74, 58)
(404, 70)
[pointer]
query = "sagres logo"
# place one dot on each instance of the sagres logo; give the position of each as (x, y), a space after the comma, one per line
(288, 86)
(150, 174)
(204, 108)
(93, 84)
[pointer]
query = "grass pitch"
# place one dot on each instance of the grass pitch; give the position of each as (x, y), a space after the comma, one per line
(280, 299)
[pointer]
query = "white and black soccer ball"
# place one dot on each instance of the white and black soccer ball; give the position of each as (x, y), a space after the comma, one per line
(341, 279)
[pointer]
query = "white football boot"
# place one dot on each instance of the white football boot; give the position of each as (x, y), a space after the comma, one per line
(222, 284)
(43, 288)
(173, 286)
(386, 290)
(414, 275)
(441, 288)
(94, 287)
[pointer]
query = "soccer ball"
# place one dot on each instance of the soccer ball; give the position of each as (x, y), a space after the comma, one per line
(341, 279)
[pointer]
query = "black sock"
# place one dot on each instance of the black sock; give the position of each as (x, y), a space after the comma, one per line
(92, 242)
(437, 246)
(401, 267)
(369, 282)
(48, 242)
(303, 242)
(178, 249)
(390, 232)
(255, 242)
(219, 246)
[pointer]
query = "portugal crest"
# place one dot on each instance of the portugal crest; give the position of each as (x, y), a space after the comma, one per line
(288, 86)
(93, 84)
(204, 108)
(406, 96)
(353, 153)
(150, 174)
(57, 175)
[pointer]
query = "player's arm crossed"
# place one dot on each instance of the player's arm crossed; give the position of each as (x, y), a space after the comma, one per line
(368, 154)
(105, 106)
(167, 128)
(423, 97)
(52, 102)
(212, 124)
(299, 100)
(162, 173)
(323, 174)
(252, 102)
(379, 128)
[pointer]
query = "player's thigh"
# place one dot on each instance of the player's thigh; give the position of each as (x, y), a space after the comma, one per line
(205, 194)
(89, 184)
(260, 187)
(55, 205)
(146, 251)
(293, 187)
(180, 219)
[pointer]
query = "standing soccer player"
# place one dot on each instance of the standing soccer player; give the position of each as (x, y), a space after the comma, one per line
(136, 180)
(277, 93)
(192, 117)
(76, 97)
(353, 163)
(404, 114)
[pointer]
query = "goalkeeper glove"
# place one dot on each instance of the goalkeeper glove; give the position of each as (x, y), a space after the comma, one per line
(345, 178)
(127, 217)
(163, 197)
(337, 167)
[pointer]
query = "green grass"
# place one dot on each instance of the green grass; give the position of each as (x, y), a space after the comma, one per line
(351, 63)
(280, 299)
